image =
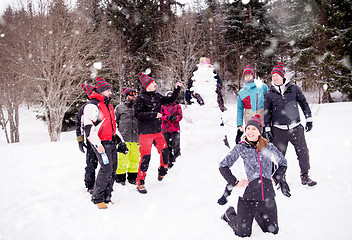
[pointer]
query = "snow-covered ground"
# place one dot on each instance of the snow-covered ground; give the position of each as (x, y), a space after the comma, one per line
(42, 194)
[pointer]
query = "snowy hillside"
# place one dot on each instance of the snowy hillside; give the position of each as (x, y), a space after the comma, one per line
(42, 194)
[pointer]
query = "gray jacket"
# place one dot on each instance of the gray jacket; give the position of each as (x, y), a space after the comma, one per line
(126, 121)
(258, 166)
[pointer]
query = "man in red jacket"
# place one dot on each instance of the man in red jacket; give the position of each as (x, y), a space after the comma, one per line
(100, 129)
(148, 112)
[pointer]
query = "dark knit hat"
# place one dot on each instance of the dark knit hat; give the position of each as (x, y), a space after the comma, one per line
(102, 85)
(125, 90)
(255, 121)
(145, 80)
(247, 70)
(88, 89)
(279, 69)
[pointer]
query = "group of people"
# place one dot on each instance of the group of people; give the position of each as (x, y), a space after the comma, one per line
(120, 140)
(270, 119)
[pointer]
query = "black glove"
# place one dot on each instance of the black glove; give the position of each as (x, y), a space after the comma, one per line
(269, 136)
(222, 200)
(285, 189)
(238, 136)
(122, 148)
(227, 192)
(171, 118)
(309, 126)
(81, 146)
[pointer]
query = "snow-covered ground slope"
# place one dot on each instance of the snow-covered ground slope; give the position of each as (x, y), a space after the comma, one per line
(42, 194)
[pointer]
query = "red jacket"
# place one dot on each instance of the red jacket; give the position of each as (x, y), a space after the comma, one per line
(173, 109)
(103, 120)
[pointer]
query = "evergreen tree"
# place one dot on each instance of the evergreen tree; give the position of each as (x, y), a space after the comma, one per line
(335, 29)
(140, 22)
(248, 37)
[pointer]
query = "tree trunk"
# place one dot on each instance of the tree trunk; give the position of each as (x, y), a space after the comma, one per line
(3, 123)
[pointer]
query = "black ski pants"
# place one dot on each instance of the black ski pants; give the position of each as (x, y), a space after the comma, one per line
(91, 165)
(104, 182)
(173, 142)
(264, 212)
(281, 138)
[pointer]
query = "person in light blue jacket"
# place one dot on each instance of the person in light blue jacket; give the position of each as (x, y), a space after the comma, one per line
(250, 101)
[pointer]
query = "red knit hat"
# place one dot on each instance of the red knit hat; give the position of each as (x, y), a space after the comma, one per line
(88, 89)
(279, 69)
(255, 121)
(145, 80)
(125, 90)
(102, 85)
(247, 70)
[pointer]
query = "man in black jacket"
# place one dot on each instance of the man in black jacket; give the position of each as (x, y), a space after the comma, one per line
(148, 112)
(282, 119)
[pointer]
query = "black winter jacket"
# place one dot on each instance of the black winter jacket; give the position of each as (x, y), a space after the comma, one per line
(283, 109)
(147, 106)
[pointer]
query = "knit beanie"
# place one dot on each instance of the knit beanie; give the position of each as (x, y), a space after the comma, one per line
(102, 85)
(125, 90)
(88, 89)
(145, 80)
(279, 69)
(255, 121)
(248, 70)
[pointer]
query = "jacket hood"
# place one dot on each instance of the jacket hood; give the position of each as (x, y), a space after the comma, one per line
(249, 85)
(97, 96)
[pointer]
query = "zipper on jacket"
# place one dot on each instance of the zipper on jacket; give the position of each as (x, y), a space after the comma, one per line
(261, 175)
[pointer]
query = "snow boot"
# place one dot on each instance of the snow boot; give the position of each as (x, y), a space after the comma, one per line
(141, 189)
(229, 215)
(121, 178)
(162, 172)
(305, 179)
(101, 205)
(131, 178)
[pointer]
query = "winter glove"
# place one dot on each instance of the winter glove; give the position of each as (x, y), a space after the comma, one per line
(171, 118)
(279, 178)
(227, 192)
(269, 136)
(81, 144)
(285, 189)
(238, 136)
(309, 126)
(122, 148)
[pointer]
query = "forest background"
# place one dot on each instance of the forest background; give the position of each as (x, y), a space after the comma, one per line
(49, 48)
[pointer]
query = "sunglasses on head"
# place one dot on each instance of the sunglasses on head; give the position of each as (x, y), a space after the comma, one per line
(132, 93)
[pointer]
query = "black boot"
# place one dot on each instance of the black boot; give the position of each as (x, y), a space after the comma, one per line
(131, 178)
(162, 172)
(230, 217)
(305, 179)
(121, 178)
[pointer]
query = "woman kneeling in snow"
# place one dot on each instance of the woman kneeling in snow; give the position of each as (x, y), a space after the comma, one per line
(258, 200)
